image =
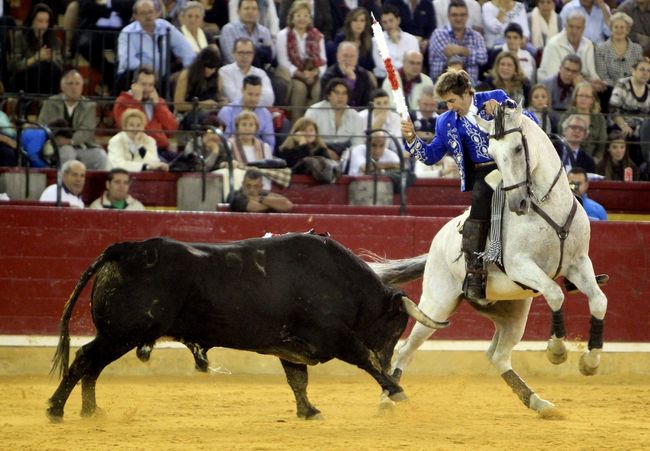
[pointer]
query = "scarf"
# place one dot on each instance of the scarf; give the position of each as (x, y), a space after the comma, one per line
(238, 150)
(198, 43)
(540, 30)
(312, 49)
(407, 86)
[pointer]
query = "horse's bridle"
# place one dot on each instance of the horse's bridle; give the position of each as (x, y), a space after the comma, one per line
(562, 231)
(528, 183)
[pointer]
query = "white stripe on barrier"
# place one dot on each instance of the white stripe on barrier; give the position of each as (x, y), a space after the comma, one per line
(429, 345)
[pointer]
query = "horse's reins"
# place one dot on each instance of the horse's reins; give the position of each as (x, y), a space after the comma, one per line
(561, 231)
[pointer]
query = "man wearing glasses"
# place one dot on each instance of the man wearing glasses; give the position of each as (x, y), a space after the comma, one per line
(575, 130)
(231, 76)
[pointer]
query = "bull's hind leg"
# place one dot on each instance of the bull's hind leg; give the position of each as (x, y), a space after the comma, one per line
(297, 377)
(509, 318)
(582, 275)
(88, 364)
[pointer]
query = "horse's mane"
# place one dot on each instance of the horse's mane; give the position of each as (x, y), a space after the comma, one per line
(500, 121)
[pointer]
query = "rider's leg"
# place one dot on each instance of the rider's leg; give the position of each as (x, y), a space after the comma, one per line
(475, 233)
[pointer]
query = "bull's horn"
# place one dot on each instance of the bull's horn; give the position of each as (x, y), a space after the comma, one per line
(417, 314)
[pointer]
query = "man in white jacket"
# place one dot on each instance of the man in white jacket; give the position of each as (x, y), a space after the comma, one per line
(571, 41)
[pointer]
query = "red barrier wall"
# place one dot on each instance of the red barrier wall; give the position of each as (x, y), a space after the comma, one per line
(43, 251)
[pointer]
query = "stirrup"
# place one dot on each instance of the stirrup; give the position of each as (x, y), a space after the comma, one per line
(475, 292)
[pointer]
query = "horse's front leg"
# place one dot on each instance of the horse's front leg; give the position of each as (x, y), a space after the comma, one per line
(523, 270)
(527, 272)
(582, 275)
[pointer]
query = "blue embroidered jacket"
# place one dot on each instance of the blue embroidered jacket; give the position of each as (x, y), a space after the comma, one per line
(458, 136)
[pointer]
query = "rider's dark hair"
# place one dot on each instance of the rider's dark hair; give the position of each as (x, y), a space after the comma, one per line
(578, 170)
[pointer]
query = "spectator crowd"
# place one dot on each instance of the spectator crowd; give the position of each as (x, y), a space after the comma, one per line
(299, 86)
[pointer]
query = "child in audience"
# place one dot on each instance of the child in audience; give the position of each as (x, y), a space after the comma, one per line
(538, 104)
(617, 160)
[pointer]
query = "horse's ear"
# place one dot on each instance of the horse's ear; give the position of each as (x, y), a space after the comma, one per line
(516, 114)
(484, 125)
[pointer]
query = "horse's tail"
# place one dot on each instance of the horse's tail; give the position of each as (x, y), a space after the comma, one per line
(397, 272)
(62, 354)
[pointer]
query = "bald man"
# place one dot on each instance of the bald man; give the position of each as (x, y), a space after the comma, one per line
(359, 81)
(411, 78)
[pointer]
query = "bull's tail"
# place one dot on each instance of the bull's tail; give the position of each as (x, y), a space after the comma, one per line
(62, 355)
(398, 272)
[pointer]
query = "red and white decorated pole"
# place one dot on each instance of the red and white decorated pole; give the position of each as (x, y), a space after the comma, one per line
(398, 94)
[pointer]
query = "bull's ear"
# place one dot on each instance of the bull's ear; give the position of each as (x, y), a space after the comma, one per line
(485, 125)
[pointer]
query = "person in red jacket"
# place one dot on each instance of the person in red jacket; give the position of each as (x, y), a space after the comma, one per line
(143, 96)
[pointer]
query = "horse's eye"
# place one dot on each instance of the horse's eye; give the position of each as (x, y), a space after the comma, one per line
(518, 148)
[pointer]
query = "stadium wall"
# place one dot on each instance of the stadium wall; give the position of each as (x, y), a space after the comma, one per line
(43, 251)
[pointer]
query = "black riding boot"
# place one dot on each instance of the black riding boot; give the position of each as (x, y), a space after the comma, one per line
(474, 236)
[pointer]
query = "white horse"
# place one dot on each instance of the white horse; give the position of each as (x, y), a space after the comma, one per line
(537, 246)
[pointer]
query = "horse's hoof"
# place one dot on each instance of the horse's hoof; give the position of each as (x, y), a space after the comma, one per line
(556, 352)
(589, 363)
(317, 416)
(540, 405)
(399, 396)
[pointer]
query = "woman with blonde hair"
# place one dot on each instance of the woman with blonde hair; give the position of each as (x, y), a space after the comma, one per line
(301, 53)
(246, 147)
(539, 99)
(132, 149)
(584, 100)
(506, 74)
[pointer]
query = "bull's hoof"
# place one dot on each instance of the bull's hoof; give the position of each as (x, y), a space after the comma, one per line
(310, 413)
(556, 351)
(201, 366)
(144, 352)
(94, 412)
(54, 415)
(589, 363)
(397, 374)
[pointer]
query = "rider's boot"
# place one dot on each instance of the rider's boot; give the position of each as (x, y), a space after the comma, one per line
(474, 236)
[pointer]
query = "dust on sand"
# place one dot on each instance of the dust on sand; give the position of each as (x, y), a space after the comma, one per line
(219, 411)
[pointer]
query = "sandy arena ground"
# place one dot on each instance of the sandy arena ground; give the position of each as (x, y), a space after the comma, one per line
(196, 411)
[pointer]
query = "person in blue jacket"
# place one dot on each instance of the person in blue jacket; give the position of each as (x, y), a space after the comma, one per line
(458, 134)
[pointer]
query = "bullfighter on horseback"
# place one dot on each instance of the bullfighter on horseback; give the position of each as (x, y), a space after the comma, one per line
(458, 134)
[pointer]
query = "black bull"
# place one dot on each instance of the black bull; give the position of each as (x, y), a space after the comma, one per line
(303, 298)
